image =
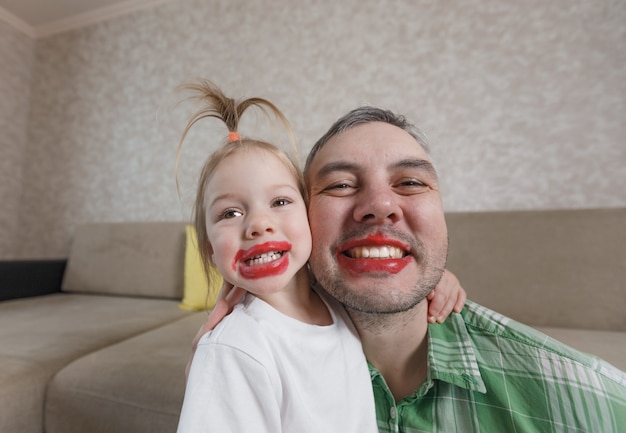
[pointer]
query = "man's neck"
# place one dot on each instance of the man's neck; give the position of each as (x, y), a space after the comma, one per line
(397, 345)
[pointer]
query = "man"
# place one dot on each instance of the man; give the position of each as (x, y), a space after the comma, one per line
(373, 187)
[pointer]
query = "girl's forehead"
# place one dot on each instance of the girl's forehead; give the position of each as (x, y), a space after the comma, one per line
(252, 165)
(254, 156)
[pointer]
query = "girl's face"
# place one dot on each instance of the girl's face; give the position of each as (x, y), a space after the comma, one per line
(256, 222)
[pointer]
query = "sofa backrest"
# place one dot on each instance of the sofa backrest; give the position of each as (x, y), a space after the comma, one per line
(129, 259)
(549, 268)
(546, 268)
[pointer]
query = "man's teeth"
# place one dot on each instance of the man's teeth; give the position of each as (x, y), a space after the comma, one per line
(264, 258)
(386, 252)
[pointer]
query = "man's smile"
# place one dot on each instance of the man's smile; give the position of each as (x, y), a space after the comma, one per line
(374, 254)
(384, 252)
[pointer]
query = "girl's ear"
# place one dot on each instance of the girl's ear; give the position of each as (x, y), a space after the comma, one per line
(211, 253)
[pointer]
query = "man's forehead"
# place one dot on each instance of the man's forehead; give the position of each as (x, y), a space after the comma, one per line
(375, 142)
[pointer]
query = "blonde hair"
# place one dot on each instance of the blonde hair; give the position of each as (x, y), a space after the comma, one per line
(214, 104)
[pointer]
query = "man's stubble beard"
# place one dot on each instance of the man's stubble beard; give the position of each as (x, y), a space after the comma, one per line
(368, 301)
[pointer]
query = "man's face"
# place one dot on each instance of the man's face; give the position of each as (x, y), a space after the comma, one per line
(377, 221)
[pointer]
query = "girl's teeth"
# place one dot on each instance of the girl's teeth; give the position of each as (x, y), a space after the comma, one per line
(264, 258)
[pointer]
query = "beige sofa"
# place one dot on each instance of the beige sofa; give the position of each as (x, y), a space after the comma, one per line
(106, 351)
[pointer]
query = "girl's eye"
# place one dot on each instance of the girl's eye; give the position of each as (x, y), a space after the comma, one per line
(281, 202)
(230, 213)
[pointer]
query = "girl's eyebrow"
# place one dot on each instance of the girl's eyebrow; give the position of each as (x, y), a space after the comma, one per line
(224, 196)
(230, 195)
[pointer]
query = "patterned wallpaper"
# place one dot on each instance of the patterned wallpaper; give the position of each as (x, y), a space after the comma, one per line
(524, 102)
(16, 65)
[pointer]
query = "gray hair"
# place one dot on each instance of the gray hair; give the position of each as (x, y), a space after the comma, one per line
(363, 115)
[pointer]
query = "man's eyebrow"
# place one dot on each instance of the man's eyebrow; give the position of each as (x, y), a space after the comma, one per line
(336, 166)
(421, 164)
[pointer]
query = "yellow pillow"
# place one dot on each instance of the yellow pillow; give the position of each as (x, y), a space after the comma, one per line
(198, 293)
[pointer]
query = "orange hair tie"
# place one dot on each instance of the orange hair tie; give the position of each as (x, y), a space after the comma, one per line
(233, 136)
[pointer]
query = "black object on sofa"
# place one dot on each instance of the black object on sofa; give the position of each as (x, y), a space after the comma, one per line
(26, 278)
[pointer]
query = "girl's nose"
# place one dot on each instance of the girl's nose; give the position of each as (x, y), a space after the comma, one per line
(258, 225)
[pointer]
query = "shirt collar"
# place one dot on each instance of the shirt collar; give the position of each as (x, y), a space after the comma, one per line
(451, 355)
(451, 358)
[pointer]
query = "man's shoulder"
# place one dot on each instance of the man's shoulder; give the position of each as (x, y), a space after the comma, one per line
(482, 321)
(485, 324)
(498, 335)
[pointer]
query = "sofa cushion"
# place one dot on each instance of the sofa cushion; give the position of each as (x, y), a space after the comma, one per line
(40, 335)
(200, 294)
(22, 388)
(132, 259)
(135, 386)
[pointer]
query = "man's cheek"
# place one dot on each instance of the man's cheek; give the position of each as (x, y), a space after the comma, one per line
(313, 226)
(321, 224)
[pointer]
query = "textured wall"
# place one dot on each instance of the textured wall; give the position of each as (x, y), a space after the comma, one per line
(524, 102)
(16, 59)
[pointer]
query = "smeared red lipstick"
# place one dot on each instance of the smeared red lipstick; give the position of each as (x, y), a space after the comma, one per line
(357, 266)
(377, 240)
(247, 269)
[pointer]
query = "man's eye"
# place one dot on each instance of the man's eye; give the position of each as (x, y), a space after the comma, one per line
(340, 188)
(281, 202)
(342, 185)
(411, 183)
(411, 186)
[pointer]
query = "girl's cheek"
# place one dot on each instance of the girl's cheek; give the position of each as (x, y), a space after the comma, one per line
(224, 254)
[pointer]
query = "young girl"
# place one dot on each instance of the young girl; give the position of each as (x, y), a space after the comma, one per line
(287, 358)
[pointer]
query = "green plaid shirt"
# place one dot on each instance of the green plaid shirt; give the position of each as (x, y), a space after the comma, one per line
(487, 373)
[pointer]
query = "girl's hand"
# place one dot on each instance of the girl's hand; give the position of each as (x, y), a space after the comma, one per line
(447, 296)
(229, 297)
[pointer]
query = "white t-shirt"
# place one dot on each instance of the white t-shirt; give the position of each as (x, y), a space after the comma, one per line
(262, 371)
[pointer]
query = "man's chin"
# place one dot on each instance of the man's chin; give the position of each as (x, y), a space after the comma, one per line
(370, 299)
(375, 294)
(381, 309)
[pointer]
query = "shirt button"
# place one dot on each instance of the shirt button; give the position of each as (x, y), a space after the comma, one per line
(393, 413)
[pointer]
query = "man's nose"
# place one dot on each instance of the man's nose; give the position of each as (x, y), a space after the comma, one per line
(377, 204)
(259, 223)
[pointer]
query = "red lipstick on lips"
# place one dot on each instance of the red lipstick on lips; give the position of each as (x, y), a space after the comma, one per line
(253, 272)
(372, 265)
